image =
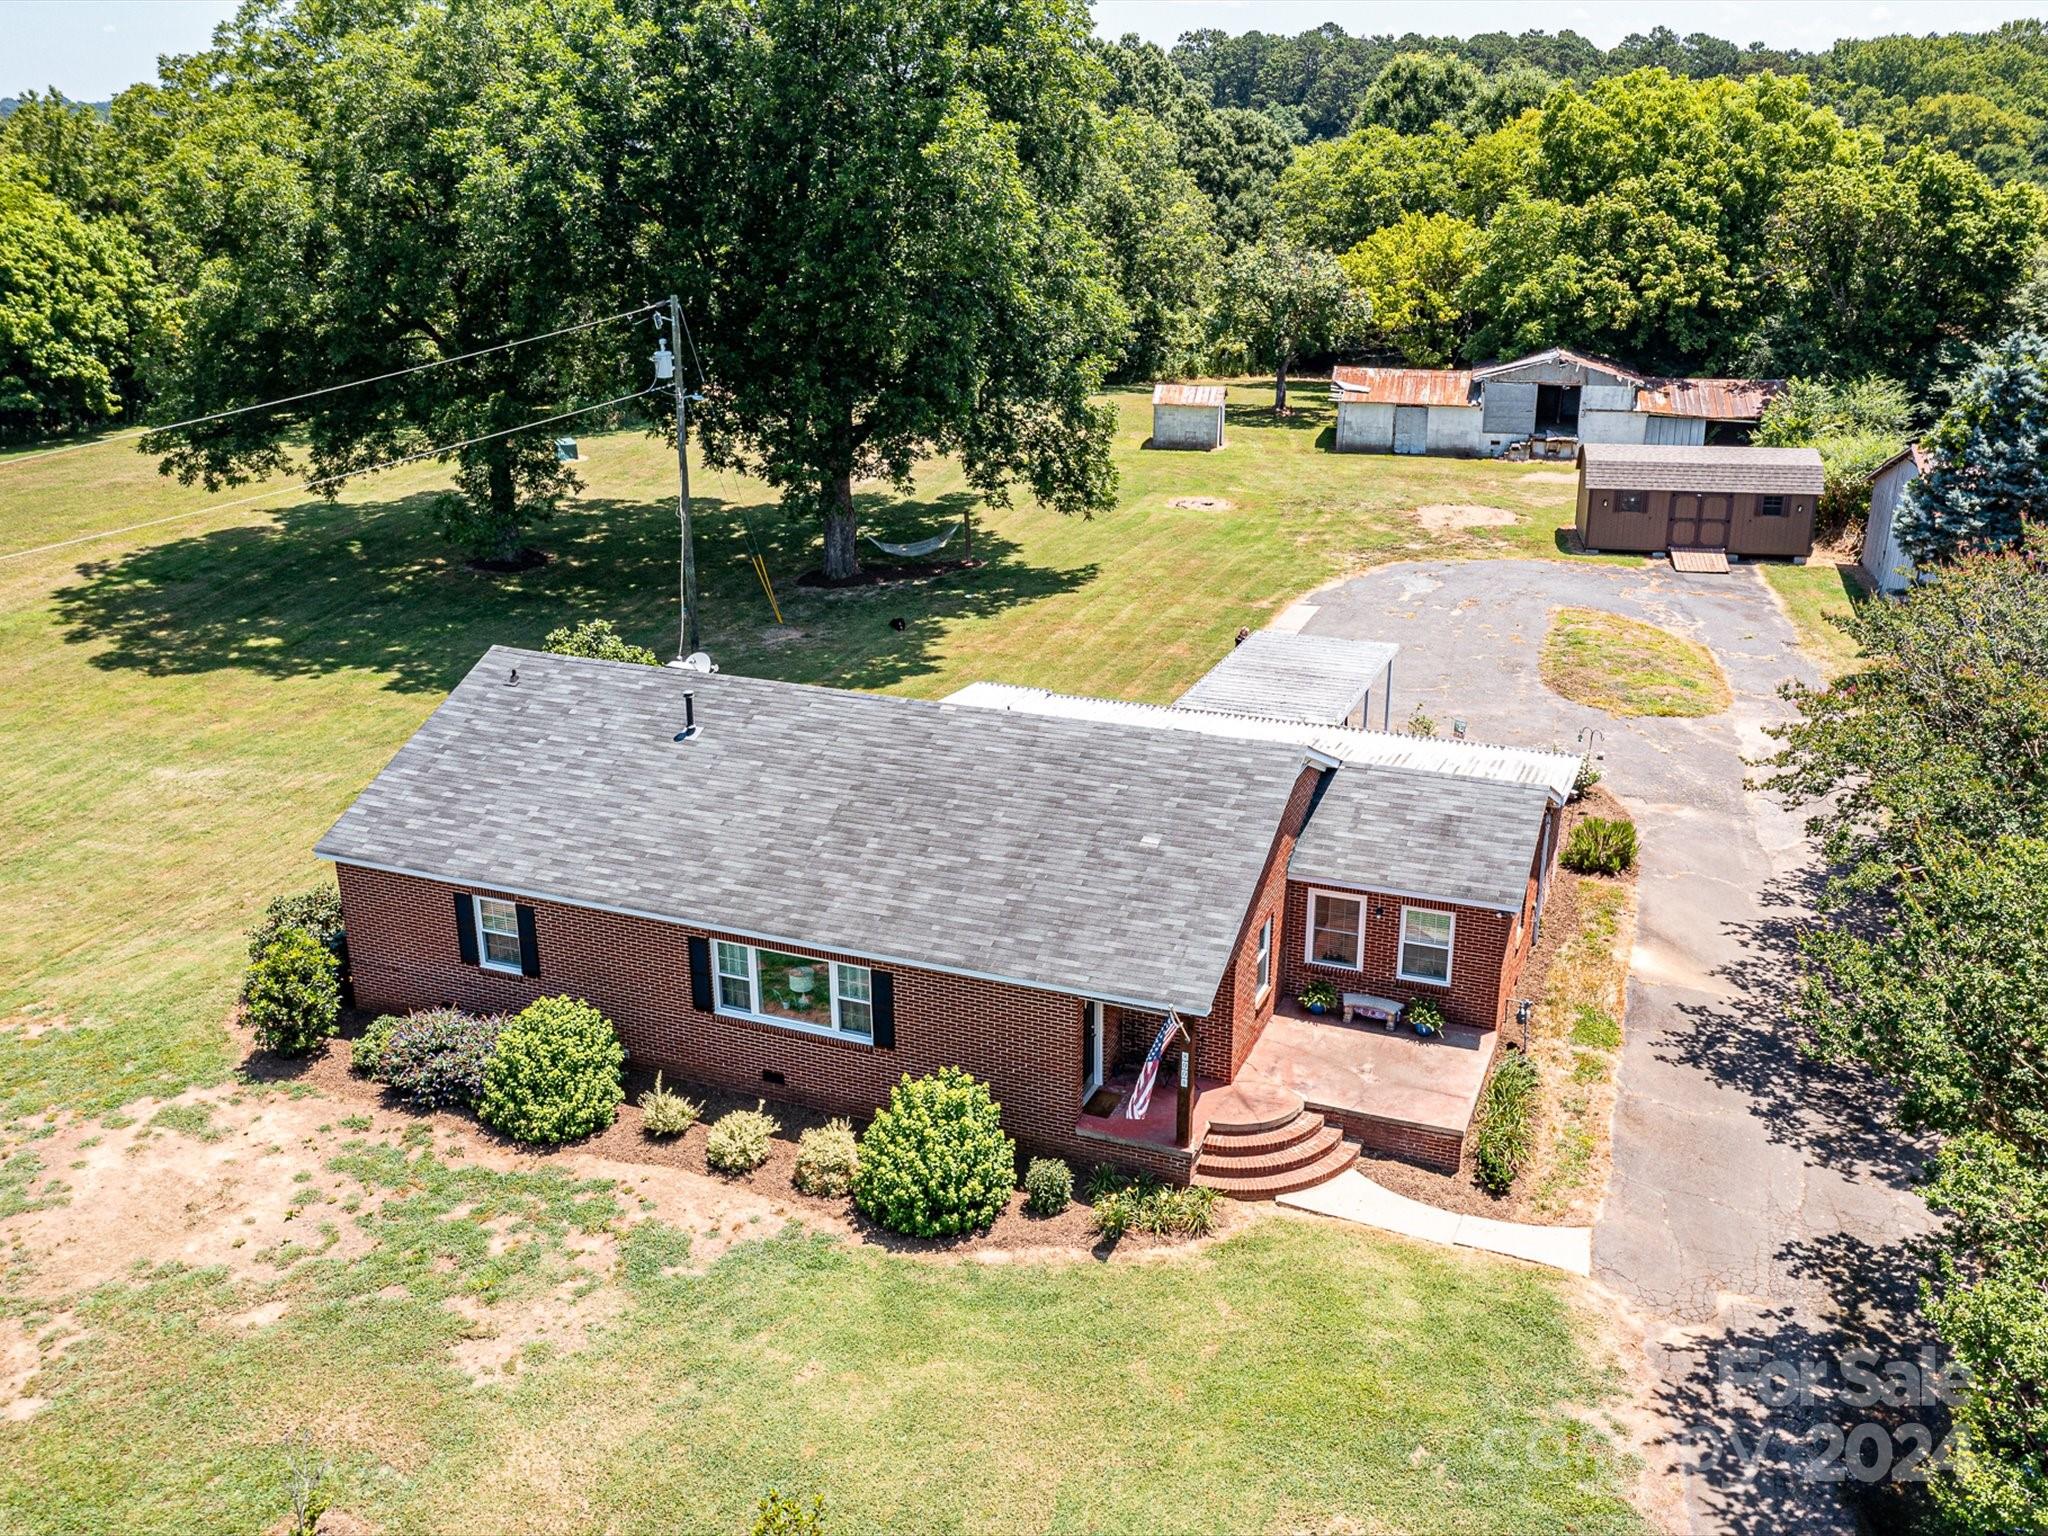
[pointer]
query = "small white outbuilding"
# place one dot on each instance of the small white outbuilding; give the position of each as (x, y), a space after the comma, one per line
(1187, 415)
(1885, 562)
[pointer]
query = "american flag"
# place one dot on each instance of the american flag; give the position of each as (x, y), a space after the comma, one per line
(1148, 1075)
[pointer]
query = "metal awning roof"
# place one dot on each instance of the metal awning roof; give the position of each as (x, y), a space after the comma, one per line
(1275, 675)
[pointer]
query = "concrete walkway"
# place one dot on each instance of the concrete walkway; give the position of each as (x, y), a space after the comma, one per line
(1352, 1196)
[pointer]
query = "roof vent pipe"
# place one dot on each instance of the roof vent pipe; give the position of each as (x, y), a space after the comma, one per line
(689, 730)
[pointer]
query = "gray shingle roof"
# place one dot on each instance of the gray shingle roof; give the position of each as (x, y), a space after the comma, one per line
(1275, 675)
(1114, 861)
(1660, 467)
(1410, 833)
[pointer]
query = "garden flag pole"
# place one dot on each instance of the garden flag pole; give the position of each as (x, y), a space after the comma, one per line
(1148, 1075)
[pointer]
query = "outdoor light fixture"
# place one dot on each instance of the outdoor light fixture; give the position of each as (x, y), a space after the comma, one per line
(1523, 1008)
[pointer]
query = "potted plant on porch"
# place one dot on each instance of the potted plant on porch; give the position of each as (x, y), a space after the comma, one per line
(1318, 997)
(1426, 1018)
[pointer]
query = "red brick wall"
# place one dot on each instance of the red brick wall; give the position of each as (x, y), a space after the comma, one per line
(1487, 953)
(1239, 1016)
(1484, 953)
(1025, 1043)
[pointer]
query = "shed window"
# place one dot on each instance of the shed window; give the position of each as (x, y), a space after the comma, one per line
(1635, 501)
(1336, 930)
(1770, 506)
(497, 934)
(1426, 945)
(796, 990)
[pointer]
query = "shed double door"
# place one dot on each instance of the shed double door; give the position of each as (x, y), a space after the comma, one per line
(1411, 429)
(1698, 520)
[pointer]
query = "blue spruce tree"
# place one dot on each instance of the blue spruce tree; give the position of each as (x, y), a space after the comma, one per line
(1989, 477)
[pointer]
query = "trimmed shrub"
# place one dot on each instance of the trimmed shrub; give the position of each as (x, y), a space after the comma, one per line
(826, 1157)
(291, 995)
(436, 1060)
(936, 1163)
(1500, 1141)
(318, 911)
(1048, 1186)
(738, 1142)
(664, 1112)
(1600, 845)
(555, 1075)
(366, 1051)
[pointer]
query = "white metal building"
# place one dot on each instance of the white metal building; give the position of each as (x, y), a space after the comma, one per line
(1187, 415)
(1317, 679)
(1888, 567)
(1546, 404)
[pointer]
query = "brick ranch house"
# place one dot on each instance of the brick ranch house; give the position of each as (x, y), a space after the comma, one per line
(816, 891)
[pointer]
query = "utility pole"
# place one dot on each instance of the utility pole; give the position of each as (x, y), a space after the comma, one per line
(688, 641)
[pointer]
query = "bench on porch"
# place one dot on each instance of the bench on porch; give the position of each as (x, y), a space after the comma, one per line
(1383, 1010)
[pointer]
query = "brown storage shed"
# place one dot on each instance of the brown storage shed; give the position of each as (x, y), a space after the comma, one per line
(1641, 497)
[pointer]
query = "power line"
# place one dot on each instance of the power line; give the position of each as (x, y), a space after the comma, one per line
(328, 389)
(326, 480)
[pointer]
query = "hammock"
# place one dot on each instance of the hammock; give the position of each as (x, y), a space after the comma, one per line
(921, 548)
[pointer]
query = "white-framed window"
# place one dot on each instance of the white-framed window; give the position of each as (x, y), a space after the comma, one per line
(1336, 930)
(1265, 965)
(1426, 937)
(795, 991)
(497, 934)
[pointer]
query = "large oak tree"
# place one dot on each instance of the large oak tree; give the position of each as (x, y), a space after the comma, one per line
(876, 210)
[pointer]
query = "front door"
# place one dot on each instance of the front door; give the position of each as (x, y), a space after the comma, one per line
(1091, 1050)
(1698, 521)
(1411, 429)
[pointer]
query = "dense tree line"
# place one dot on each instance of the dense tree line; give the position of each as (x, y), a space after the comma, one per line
(910, 229)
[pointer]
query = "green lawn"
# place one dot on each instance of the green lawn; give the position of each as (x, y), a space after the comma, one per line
(1814, 595)
(1292, 1372)
(1627, 667)
(190, 706)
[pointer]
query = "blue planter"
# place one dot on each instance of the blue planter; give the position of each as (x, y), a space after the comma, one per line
(1317, 1007)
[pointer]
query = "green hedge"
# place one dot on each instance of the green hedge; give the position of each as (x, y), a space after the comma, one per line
(936, 1163)
(555, 1075)
(291, 994)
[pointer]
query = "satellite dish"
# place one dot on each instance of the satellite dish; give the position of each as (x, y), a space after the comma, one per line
(696, 661)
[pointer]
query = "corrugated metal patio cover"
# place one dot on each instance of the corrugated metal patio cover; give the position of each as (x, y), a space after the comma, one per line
(1275, 675)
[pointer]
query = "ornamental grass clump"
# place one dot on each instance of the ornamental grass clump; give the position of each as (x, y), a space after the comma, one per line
(291, 994)
(935, 1162)
(1126, 1202)
(436, 1059)
(1506, 1123)
(556, 1074)
(738, 1142)
(1600, 845)
(826, 1158)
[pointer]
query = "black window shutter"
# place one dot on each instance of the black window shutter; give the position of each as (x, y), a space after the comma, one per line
(882, 996)
(529, 943)
(700, 973)
(465, 927)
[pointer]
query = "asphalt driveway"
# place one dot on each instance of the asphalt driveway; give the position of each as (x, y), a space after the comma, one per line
(1758, 1202)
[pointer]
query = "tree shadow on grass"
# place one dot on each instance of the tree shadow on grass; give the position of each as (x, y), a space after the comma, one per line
(326, 588)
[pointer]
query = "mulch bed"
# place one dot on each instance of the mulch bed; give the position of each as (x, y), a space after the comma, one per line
(888, 575)
(1071, 1233)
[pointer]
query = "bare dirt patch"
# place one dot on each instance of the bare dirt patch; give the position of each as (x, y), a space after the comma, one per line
(1458, 516)
(1554, 476)
(1202, 504)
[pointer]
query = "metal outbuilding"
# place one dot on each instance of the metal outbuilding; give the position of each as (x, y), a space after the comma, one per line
(1187, 416)
(1316, 679)
(1885, 561)
(1756, 502)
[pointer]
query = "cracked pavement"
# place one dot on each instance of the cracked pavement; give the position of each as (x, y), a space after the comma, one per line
(1760, 1207)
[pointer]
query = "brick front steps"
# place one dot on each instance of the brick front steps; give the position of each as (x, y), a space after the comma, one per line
(1278, 1152)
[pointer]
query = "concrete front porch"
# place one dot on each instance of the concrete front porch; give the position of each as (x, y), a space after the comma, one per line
(1393, 1090)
